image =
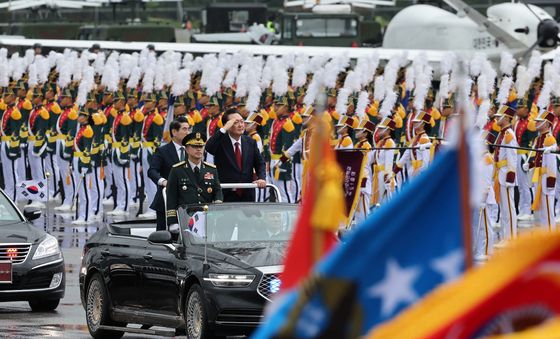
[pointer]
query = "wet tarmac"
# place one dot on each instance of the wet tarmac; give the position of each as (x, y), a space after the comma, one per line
(68, 320)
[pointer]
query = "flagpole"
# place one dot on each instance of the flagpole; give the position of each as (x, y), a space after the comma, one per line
(464, 178)
(317, 250)
(47, 223)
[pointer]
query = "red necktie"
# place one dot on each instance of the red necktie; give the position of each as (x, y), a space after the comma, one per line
(238, 156)
(239, 163)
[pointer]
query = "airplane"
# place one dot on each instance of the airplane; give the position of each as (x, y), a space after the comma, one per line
(417, 29)
(515, 27)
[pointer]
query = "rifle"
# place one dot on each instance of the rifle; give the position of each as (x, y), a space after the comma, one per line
(522, 148)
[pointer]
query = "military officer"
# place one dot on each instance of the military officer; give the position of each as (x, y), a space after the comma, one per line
(192, 181)
(10, 151)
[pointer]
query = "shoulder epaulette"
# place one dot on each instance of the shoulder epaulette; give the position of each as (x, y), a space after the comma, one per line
(296, 118)
(44, 113)
(126, 120)
(488, 159)
(16, 114)
(27, 105)
(55, 108)
(346, 141)
(158, 119)
(88, 132)
(288, 126)
(549, 141)
(209, 164)
(424, 140)
(389, 143)
(179, 164)
(508, 136)
(73, 114)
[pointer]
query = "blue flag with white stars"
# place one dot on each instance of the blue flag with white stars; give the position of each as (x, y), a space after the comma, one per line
(405, 249)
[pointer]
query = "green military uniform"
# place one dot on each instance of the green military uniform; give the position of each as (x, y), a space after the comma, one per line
(185, 186)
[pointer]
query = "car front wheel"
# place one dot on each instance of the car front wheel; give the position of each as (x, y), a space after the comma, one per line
(97, 310)
(44, 305)
(196, 317)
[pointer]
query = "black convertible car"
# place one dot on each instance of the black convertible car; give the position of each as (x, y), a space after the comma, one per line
(214, 278)
(31, 263)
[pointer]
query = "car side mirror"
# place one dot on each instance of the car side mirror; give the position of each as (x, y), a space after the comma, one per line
(160, 237)
(31, 213)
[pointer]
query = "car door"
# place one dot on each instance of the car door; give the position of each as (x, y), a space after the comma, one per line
(160, 285)
(123, 259)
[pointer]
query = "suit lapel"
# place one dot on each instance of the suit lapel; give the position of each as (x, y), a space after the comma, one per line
(244, 150)
(173, 153)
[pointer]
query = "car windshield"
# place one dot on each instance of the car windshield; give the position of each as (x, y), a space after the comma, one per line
(227, 224)
(8, 213)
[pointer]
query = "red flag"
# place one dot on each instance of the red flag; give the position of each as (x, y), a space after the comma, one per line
(321, 212)
(517, 290)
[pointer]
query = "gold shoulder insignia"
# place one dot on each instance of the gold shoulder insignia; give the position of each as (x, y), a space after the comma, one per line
(209, 164)
(509, 136)
(346, 141)
(288, 126)
(179, 164)
(549, 141)
(424, 140)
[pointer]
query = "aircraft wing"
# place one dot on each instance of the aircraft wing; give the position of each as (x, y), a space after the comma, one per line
(481, 20)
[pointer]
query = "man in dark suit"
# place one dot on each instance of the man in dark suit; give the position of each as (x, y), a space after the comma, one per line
(237, 157)
(163, 160)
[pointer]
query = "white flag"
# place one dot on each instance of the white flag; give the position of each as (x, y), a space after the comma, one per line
(33, 190)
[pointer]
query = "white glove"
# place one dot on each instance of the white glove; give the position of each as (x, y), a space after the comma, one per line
(549, 149)
(174, 228)
(525, 166)
(423, 147)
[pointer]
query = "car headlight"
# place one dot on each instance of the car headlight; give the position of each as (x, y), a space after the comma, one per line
(47, 248)
(230, 280)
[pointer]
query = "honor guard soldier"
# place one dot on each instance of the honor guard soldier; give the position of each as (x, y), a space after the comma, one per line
(137, 116)
(282, 136)
(419, 157)
(11, 151)
(151, 133)
(343, 127)
(25, 106)
(38, 125)
(364, 137)
(66, 127)
(505, 166)
(211, 113)
(384, 159)
(483, 233)
(524, 128)
(544, 172)
(98, 157)
(252, 123)
(50, 90)
(120, 155)
(555, 103)
(82, 168)
(192, 181)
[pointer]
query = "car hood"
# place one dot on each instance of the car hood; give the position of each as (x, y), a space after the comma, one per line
(255, 254)
(19, 232)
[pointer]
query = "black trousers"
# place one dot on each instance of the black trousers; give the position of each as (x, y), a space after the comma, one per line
(160, 219)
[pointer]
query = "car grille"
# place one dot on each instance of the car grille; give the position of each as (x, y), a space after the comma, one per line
(269, 285)
(22, 252)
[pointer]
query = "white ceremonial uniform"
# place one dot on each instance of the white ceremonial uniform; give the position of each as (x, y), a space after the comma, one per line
(505, 165)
